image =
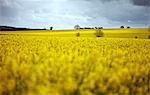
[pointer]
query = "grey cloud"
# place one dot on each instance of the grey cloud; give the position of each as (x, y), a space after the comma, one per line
(67, 13)
(125, 11)
(121, 11)
(141, 2)
(10, 7)
(134, 2)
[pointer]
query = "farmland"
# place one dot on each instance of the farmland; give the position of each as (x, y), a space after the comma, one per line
(59, 63)
(110, 33)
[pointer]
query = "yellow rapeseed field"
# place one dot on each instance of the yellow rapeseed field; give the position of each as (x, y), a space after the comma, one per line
(43, 65)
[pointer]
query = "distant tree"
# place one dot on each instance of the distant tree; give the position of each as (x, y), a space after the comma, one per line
(136, 37)
(99, 33)
(149, 37)
(128, 27)
(121, 26)
(96, 28)
(76, 27)
(87, 28)
(101, 27)
(51, 28)
(78, 34)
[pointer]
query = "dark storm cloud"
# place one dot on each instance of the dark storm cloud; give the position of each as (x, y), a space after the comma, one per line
(135, 2)
(141, 2)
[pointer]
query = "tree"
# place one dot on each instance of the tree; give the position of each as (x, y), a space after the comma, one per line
(121, 26)
(100, 27)
(76, 27)
(51, 28)
(99, 33)
(78, 34)
(128, 27)
(96, 28)
(136, 37)
(148, 36)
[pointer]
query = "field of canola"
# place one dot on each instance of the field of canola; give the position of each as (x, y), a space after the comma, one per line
(42, 65)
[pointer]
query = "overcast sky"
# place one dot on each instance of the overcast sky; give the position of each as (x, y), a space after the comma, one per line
(65, 14)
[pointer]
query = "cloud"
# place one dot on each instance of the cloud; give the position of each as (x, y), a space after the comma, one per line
(141, 2)
(67, 13)
(125, 11)
(135, 2)
(8, 8)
